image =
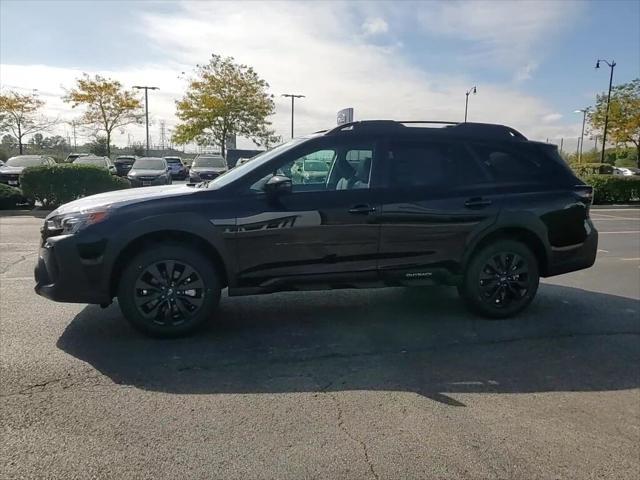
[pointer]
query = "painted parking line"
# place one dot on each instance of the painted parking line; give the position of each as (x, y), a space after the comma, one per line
(621, 231)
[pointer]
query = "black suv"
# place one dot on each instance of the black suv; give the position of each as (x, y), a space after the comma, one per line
(477, 206)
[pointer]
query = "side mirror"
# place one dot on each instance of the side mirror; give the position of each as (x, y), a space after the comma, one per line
(277, 185)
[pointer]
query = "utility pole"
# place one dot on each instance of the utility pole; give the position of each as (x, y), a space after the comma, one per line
(561, 143)
(466, 101)
(162, 133)
(584, 112)
(293, 98)
(606, 115)
(146, 108)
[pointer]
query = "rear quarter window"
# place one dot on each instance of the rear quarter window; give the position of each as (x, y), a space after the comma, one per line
(525, 163)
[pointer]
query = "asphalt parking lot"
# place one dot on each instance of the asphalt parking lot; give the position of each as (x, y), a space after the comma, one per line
(390, 383)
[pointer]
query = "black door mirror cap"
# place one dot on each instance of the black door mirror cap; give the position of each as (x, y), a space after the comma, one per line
(278, 185)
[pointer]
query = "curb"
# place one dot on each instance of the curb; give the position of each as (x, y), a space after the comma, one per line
(616, 207)
(25, 213)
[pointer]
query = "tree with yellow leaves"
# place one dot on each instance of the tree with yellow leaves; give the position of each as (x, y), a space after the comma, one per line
(624, 115)
(19, 114)
(107, 105)
(224, 99)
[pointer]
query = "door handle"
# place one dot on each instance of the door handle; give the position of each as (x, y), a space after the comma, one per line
(362, 209)
(477, 202)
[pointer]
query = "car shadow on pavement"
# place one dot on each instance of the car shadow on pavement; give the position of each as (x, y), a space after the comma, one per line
(416, 340)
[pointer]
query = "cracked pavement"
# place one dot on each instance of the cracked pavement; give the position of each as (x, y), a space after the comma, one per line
(366, 384)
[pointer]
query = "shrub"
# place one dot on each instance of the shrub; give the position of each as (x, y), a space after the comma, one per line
(53, 185)
(613, 189)
(10, 197)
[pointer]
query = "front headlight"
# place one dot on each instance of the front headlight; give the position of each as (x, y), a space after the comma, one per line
(70, 223)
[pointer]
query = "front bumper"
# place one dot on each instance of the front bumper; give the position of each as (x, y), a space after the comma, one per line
(71, 272)
(579, 257)
(135, 182)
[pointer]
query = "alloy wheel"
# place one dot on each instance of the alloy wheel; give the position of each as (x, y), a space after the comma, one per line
(504, 280)
(169, 292)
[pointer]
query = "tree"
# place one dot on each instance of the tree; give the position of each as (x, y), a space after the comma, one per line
(139, 148)
(100, 146)
(9, 141)
(224, 98)
(107, 105)
(19, 115)
(37, 140)
(56, 142)
(624, 114)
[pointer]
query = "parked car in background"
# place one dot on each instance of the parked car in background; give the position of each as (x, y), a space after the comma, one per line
(311, 171)
(72, 157)
(147, 171)
(178, 170)
(10, 172)
(623, 172)
(102, 162)
(636, 171)
(207, 167)
(123, 164)
(471, 205)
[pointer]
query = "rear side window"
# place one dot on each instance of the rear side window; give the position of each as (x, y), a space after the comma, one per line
(432, 164)
(522, 164)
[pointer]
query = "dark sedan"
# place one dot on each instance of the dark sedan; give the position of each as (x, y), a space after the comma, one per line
(123, 164)
(147, 171)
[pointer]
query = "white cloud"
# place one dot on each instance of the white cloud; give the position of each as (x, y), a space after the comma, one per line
(314, 49)
(375, 26)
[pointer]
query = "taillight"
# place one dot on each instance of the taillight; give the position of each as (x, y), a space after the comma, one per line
(585, 192)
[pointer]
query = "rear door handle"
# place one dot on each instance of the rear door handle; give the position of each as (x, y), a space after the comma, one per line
(362, 209)
(477, 202)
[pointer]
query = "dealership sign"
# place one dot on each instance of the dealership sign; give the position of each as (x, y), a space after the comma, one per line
(345, 116)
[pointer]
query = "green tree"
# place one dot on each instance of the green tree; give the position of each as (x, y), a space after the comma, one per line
(100, 146)
(107, 105)
(225, 98)
(624, 115)
(20, 116)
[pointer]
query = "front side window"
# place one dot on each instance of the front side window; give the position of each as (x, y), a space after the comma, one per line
(328, 168)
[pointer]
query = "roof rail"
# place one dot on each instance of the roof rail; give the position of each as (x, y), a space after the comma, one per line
(479, 130)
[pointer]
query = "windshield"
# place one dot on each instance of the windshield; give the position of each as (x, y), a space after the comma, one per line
(315, 166)
(150, 164)
(24, 161)
(98, 162)
(217, 162)
(256, 162)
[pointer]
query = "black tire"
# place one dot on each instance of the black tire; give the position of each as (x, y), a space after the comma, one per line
(148, 290)
(501, 279)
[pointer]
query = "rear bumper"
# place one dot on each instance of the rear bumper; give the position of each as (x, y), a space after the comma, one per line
(579, 257)
(63, 276)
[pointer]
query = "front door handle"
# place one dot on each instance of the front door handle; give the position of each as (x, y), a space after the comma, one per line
(477, 202)
(362, 209)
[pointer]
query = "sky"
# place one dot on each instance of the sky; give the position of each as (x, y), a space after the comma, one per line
(531, 61)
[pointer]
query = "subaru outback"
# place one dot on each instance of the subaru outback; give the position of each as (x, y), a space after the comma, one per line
(476, 206)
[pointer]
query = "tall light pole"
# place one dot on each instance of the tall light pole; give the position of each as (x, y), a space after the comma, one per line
(146, 108)
(293, 98)
(584, 119)
(606, 115)
(466, 101)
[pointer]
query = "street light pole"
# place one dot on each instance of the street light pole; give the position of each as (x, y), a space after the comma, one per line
(584, 119)
(466, 101)
(293, 98)
(606, 115)
(146, 108)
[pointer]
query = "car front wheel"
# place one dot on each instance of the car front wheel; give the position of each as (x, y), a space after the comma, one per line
(168, 290)
(501, 279)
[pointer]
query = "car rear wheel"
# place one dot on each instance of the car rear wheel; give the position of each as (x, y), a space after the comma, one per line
(168, 291)
(501, 279)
